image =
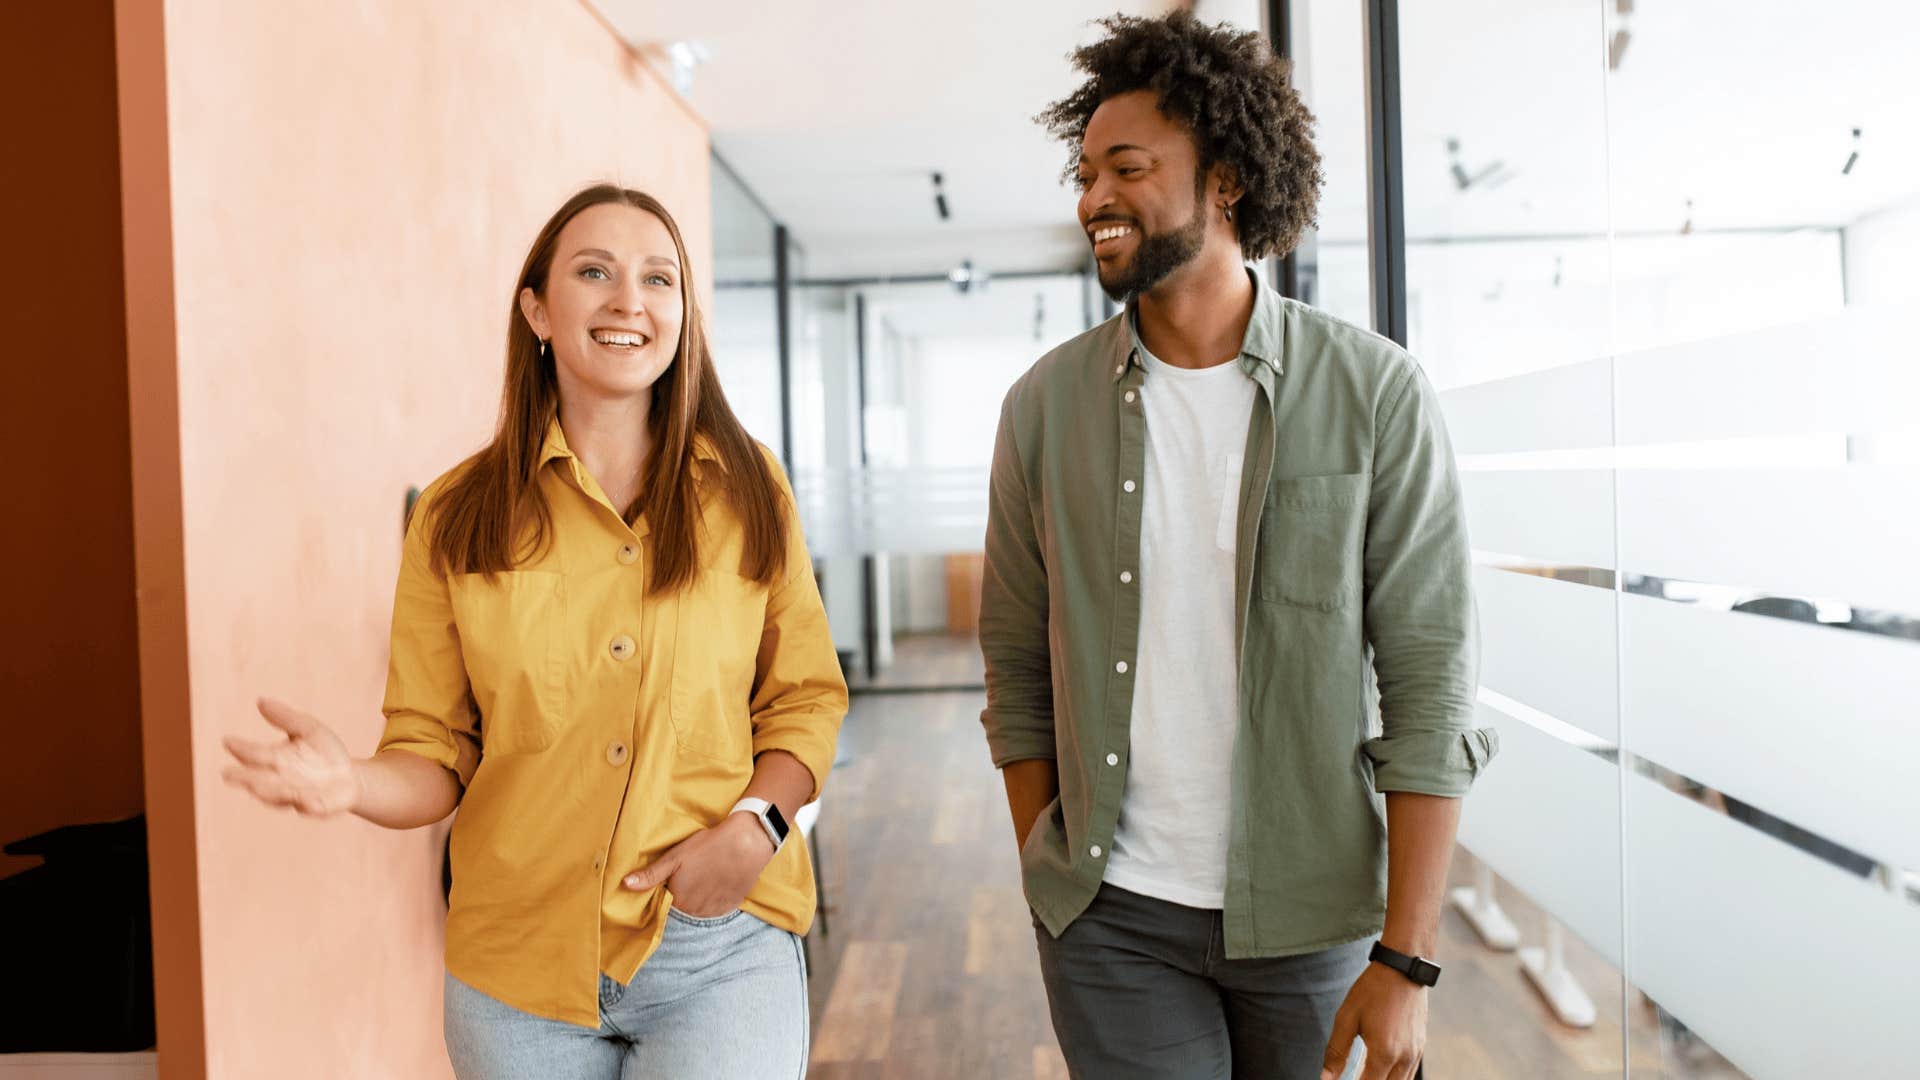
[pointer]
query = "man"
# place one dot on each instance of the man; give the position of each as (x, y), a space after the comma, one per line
(1225, 547)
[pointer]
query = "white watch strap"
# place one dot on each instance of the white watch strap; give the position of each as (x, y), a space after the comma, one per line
(758, 808)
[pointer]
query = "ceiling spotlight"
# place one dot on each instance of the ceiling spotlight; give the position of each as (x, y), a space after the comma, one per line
(964, 278)
(940, 198)
(1617, 48)
(1854, 157)
(1686, 226)
(685, 56)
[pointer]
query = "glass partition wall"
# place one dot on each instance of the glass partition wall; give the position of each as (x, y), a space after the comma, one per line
(1658, 259)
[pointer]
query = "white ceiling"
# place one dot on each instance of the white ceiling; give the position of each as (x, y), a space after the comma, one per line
(836, 112)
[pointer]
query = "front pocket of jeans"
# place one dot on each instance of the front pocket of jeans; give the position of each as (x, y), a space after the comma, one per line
(1312, 536)
(716, 921)
(513, 643)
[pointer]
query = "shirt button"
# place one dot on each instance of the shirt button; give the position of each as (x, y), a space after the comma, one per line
(1128, 486)
(621, 647)
(1130, 396)
(628, 554)
(1113, 759)
(617, 753)
(1120, 369)
(1094, 851)
(1121, 667)
(1126, 577)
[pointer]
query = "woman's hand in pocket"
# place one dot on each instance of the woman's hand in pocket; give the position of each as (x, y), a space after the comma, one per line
(710, 872)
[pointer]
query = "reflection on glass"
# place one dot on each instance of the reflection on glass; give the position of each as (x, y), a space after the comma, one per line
(743, 323)
(1329, 51)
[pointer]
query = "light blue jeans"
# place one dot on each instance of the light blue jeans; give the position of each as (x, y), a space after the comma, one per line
(722, 998)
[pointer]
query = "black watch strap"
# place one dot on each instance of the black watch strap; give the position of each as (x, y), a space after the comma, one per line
(1424, 972)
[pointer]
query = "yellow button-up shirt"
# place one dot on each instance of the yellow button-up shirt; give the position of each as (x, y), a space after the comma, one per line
(594, 726)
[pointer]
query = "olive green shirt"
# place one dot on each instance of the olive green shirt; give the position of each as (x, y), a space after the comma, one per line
(1353, 613)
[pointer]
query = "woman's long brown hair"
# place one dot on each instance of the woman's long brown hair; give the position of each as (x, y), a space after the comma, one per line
(492, 513)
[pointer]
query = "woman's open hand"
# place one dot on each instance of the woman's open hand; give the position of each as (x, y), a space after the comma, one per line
(308, 770)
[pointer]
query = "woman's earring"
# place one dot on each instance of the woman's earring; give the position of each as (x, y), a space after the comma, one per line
(543, 348)
(1229, 210)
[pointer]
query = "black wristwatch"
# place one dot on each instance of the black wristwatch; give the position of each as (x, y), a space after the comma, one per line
(1424, 972)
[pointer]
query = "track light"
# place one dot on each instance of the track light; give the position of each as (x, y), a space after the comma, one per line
(1854, 157)
(1617, 47)
(940, 198)
(1492, 176)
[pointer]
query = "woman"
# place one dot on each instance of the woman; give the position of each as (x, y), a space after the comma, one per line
(609, 651)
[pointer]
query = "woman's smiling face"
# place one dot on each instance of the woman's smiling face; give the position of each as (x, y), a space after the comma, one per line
(613, 304)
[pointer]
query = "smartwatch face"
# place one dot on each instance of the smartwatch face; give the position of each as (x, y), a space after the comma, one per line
(779, 822)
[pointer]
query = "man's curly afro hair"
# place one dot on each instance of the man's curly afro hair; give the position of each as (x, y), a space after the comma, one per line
(1231, 92)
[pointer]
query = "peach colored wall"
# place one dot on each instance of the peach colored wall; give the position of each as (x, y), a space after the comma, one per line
(353, 188)
(72, 746)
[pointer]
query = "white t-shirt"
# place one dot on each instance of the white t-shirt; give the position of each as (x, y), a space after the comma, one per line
(1171, 839)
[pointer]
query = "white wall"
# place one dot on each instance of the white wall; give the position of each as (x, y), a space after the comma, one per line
(1883, 255)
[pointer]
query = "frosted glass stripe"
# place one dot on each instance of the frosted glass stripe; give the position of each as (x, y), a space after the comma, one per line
(1546, 817)
(1848, 534)
(1563, 408)
(1853, 372)
(1544, 516)
(1549, 644)
(1789, 966)
(901, 511)
(1811, 726)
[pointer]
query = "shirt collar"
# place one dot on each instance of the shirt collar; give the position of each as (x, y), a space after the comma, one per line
(1260, 347)
(556, 446)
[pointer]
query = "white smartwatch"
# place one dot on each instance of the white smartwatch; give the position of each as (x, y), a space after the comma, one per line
(770, 818)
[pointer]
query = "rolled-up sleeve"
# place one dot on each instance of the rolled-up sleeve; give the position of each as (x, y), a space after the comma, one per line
(429, 707)
(799, 693)
(1420, 616)
(1013, 612)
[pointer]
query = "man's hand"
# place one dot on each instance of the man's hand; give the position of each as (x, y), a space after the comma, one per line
(1031, 787)
(1389, 1013)
(710, 872)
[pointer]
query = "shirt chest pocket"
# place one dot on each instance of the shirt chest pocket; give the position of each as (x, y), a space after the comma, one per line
(1312, 537)
(721, 618)
(513, 640)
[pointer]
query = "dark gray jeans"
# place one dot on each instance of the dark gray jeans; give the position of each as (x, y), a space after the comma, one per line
(1141, 987)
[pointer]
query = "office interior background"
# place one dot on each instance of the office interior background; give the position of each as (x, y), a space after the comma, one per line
(1658, 257)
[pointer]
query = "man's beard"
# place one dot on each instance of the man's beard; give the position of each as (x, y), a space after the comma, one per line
(1158, 255)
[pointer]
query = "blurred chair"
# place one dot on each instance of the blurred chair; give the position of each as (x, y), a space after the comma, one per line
(805, 820)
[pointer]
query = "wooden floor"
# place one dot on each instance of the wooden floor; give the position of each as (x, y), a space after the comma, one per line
(922, 660)
(929, 968)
